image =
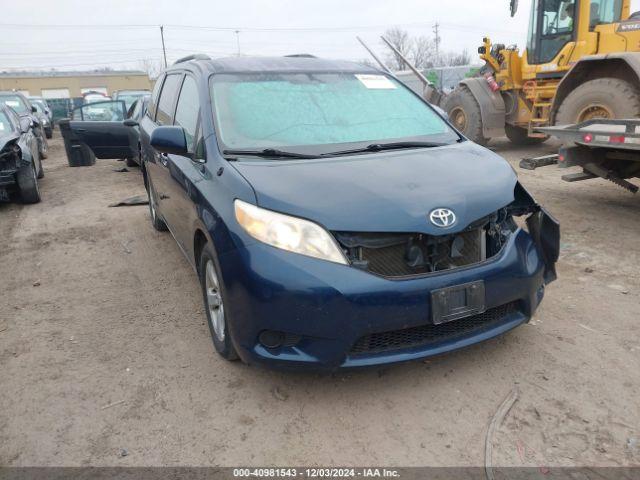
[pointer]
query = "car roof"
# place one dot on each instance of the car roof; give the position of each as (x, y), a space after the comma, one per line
(276, 64)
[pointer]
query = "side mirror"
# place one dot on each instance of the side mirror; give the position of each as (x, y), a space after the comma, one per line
(130, 123)
(170, 139)
(33, 109)
(25, 124)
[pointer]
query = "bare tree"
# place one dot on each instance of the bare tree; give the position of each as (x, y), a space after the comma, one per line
(455, 59)
(368, 63)
(152, 67)
(399, 39)
(423, 52)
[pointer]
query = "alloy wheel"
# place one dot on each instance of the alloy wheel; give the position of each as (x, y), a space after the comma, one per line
(214, 300)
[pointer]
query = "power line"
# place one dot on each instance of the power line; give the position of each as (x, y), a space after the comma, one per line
(346, 28)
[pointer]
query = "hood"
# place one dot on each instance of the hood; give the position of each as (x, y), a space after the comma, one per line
(390, 191)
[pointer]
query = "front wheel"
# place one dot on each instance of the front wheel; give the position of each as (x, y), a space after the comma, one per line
(43, 146)
(39, 169)
(27, 181)
(213, 295)
(156, 221)
(464, 113)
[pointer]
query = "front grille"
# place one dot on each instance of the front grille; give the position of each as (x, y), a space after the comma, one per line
(438, 253)
(427, 334)
(406, 254)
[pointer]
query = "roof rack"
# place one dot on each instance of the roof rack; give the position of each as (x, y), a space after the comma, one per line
(301, 55)
(194, 56)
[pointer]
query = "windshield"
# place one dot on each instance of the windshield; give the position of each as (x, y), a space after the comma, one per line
(16, 102)
(129, 98)
(317, 111)
(551, 27)
(95, 97)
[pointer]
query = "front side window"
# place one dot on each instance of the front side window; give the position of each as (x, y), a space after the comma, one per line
(164, 116)
(551, 27)
(188, 110)
(16, 102)
(153, 103)
(316, 111)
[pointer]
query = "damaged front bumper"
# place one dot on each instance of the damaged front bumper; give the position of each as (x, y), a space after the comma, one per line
(333, 316)
(542, 226)
(10, 163)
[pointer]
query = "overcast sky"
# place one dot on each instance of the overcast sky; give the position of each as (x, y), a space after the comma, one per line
(78, 35)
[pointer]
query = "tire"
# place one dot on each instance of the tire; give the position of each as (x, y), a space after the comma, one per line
(43, 147)
(156, 221)
(519, 136)
(40, 169)
(130, 162)
(593, 99)
(213, 296)
(28, 184)
(48, 132)
(464, 114)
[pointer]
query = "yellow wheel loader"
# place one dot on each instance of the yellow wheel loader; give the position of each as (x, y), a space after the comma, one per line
(581, 62)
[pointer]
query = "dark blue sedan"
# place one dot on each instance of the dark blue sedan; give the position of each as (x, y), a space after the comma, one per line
(334, 218)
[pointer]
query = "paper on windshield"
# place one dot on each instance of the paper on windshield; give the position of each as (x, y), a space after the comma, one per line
(378, 82)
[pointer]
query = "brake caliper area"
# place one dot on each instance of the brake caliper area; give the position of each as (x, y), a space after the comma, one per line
(541, 225)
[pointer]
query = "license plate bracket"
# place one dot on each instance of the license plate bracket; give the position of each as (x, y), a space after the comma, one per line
(458, 301)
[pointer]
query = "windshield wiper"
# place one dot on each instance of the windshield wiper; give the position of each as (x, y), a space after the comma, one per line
(379, 147)
(269, 153)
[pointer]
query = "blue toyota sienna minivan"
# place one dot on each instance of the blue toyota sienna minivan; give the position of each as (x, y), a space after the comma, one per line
(333, 217)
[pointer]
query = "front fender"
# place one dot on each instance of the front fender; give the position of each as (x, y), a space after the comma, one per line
(491, 104)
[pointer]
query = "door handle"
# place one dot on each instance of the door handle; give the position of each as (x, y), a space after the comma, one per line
(81, 129)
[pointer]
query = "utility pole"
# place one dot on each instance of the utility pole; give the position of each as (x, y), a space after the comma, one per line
(436, 31)
(164, 51)
(238, 40)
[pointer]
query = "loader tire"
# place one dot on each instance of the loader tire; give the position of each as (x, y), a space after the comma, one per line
(520, 136)
(464, 114)
(600, 98)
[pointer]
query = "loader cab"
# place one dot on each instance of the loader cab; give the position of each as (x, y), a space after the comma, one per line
(554, 23)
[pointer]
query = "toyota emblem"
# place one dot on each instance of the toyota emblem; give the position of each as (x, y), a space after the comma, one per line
(442, 217)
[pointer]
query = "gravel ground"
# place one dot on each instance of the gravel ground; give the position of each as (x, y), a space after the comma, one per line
(104, 347)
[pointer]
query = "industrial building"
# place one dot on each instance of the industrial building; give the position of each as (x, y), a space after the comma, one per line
(58, 85)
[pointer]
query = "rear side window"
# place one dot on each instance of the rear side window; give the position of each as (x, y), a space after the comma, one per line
(188, 109)
(153, 103)
(164, 115)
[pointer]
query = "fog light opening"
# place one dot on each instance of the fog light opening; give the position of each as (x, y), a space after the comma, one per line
(271, 338)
